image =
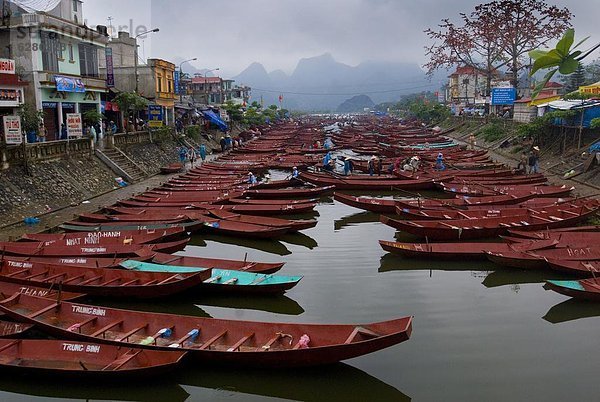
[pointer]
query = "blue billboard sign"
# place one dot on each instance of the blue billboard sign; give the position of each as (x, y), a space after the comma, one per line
(504, 96)
(176, 79)
(69, 84)
(155, 116)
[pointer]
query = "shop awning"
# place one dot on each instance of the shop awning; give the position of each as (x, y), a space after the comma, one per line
(214, 118)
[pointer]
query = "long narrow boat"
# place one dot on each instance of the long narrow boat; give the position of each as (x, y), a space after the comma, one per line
(112, 237)
(260, 209)
(461, 229)
(379, 205)
(80, 359)
(367, 184)
(293, 224)
(478, 190)
(585, 289)
(224, 280)
(271, 201)
(50, 292)
(538, 259)
(103, 282)
(210, 341)
(143, 218)
(579, 268)
(457, 251)
(203, 262)
(288, 192)
(545, 234)
(114, 250)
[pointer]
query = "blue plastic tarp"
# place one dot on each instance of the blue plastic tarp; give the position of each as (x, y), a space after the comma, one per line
(215, 119)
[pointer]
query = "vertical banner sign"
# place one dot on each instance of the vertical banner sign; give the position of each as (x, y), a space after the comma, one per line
(176, 78)
(110, 73)
(155, 116)
(12, 130)
(74, 125)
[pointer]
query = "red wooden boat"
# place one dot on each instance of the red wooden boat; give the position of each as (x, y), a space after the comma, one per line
(579, 268)
(203, 262)
(378, 205)
(9, 329)
(102, 282)
(288, 192)
(545, 234)
(242, 229)
(463, 202)
(110, 237)
(477, 190)
(114, 250)
(562, 237)
(138, 218)
(585, 289)
(250, 209)
(457, 251)
(210, 341)
(367, 184)
(461, 229)
(293, 224)
(50, 292)
(80, 359)
(271, 201)
(172, 168)
(538, 259)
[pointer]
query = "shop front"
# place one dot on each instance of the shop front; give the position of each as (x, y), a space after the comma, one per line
(11, 91)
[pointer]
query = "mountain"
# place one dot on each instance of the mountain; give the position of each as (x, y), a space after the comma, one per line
(321, 83)
(357, 103)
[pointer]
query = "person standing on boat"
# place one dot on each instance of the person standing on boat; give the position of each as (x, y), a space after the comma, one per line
(536, 155)
(223, 144)
(294, 172)
(326, 164)
(371, 165)
(379, 166)
(439, 162)
(472, 142)
(251, 178)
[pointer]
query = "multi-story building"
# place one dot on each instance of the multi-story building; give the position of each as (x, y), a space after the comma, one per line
(216, 90)
(467, 86)
(57, 55)
(155, 78)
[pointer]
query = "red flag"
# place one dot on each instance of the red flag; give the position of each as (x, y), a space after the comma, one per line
(280, 98)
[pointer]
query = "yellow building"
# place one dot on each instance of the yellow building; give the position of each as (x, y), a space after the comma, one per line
(164, 86)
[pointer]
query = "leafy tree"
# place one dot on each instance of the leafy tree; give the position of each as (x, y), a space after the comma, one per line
(575, 80)
(92, 116)
(234, 110)
(130, 102)
(592, 73)
(30, 117)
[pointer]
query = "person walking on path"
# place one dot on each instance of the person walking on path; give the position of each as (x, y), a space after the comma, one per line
(41, 135)
(203, 152)
(371, 165)
(472, 142)
(223, 144)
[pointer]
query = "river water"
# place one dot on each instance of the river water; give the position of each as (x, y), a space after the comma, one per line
(481, 333)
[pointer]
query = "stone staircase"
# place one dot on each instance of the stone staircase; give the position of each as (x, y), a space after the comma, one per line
(122, 165)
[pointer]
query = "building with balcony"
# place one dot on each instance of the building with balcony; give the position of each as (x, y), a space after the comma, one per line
(58, 56)
(467, 86)
(216, 90)
(156, 81)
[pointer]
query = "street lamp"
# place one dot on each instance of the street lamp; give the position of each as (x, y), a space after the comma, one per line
(206, 84)
(180, 76)
(135, 56)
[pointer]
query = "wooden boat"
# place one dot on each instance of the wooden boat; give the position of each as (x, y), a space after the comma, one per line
(477, 190)
(204, 262)
(49, 292)
(138, 218)
(585, 289)
(114, 250)
(579, 268)
(227, 227)
(288, 192)
(9, 329)
(209, 340)
(103, 282)
(378, 205)
(367, 184)
(457, 251)
(293, 224)
(172, 168)
(545, 234)
(462, 229)
(538, 259)
(224, 280)
(81, 359)
(261, 209)
(271, 201)
(112, 237)
(75, 226)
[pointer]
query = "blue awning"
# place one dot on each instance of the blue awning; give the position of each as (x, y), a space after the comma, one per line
(214, 118)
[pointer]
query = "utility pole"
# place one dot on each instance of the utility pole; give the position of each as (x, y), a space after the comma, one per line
(135, 58)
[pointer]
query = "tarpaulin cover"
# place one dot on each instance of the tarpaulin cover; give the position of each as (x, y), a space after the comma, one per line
(214, 118)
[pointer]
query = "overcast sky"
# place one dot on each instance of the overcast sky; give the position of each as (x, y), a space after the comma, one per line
(231, 34)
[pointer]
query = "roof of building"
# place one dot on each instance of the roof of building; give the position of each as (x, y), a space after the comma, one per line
(209, 80)
(553, 84)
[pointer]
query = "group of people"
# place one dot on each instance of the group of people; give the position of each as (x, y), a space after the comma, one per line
(529, 163)
(375, 164)
(189, 154)
(227, 143)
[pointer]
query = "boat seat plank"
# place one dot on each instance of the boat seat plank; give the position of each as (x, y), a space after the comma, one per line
(95, 278)
(11, 344)
(21, 271)
(44, 310)
(152, 282)
(278, 335)
(362, 331)
(212, 279)
(129, 282)
(50, 278)
(121, 361)
(88, 321)
(109, 282)
(129, 333)
(169, 279)
(184, 338)
(102, 330)
(36, 275)
(239, 343)
(212, 340)
(74, 278)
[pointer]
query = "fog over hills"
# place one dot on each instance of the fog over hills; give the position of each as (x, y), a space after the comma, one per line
(322, 83)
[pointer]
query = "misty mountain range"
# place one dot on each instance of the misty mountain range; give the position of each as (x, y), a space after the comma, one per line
(321, 83)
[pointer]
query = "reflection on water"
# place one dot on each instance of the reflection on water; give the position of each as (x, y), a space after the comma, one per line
(299, 239)
(267, 245)
(278, 304)
(505, 277)
(572, 309)
(393, 262)
(354, 219)
(182, 305)
(339, 382)
(164, 388)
